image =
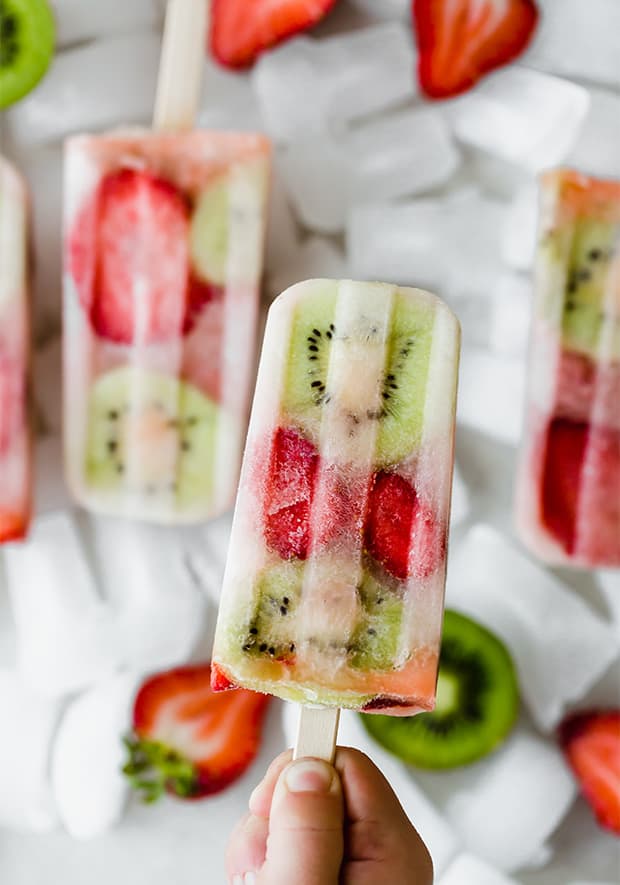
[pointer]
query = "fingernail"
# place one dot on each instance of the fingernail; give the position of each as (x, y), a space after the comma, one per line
(309, 776)
(249, 879)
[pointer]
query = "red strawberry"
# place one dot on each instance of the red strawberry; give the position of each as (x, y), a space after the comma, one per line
(400, 532)
(290, 496)
(130, 260)
(591, 742)
(566, 445)
(219, 679)
(186, 739)
(461, 40)
(13, 526)
(242, 29)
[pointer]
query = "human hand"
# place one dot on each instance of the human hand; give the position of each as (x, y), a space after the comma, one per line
(313, 824)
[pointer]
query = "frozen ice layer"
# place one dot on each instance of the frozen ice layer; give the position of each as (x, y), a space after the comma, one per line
(65, 636)
(307, 85)
(343, 506)
(568, 487)
(522, 116)
(15, 454)
(28, 724)
(402, 154)
(559, 645)
(163, 257)
(88, 785)
(591, 30)
(63, 102)
(77, 21)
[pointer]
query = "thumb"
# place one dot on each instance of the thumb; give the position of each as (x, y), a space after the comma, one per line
(305, 842)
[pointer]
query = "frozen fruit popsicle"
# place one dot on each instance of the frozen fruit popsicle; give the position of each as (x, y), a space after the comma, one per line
(568, 489)
(164, 232)
(15, 454)
(333, 591)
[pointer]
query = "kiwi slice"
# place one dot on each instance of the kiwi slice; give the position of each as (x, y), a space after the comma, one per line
(209, 228)
(476, 707)
(274, 626)
(403, 381)
(170, 427)
(26, 46)
(587, 247)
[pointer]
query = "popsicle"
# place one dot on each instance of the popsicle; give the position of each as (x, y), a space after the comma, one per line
(164, 232)
(568, 486)
(333, 590)
(15, 453)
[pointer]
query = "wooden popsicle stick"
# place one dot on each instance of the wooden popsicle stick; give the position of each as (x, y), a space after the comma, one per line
(317, 732)
(181, 64)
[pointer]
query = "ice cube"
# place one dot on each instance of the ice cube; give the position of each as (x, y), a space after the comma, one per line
(77, 21)
(491, 394)
(63, 102)
(523, 116)
(437, 835)
(159, 613)
(404, 153)
(51, 492)
(506, 806)
(578, 39)
(510, 315)
(88, 754)
(461, 506)
(316, 173)
(316, 257)
(596, 150)
(28, 724)
(227, 100)
(518, 242)
(609, 582)
(306, 85)
(560, 647)
(396, 9)
(48, 385)
(65, 636)
(282, 232)
(467, 869)
(448, 244)
(42, 167)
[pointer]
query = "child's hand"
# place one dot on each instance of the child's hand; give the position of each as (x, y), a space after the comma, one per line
(311, 824)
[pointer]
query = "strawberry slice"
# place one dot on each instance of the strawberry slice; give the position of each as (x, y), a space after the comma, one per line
(400, 532)
(129, 256)
(13, 526)
(591, 742)
(461, 40)
(242, 29)
(187, 740)
(566, 446)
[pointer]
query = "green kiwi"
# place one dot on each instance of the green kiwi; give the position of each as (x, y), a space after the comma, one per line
(274, 627)
(587, 247)
(476, 707)
(174, 431)
(26, 46)
(209, 229)
(404, 377)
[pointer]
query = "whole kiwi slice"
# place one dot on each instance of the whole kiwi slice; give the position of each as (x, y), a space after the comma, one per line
(402, 383)
(26, 46)
(166, 426)
(477, 702)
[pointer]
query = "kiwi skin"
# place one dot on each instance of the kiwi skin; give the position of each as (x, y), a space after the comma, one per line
(477, 703)
(27, 34)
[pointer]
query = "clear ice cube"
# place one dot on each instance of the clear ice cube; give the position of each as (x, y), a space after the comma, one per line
(77, 21)
(491, 394)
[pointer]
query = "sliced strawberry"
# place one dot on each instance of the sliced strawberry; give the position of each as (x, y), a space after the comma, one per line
(219, 679)
(461, 40)
(401, 533)
(566, 446)
(242, 29)
(187, 740)
(13, 526)
(129, 257)
(12, 399)
(591, 742)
